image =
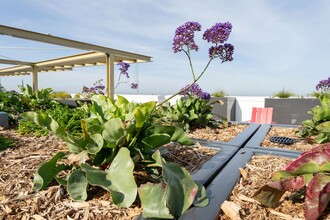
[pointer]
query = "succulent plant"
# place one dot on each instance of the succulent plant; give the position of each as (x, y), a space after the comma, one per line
(309, 172)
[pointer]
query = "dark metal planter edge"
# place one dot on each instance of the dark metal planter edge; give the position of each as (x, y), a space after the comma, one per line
(221, 186)
(258, 137)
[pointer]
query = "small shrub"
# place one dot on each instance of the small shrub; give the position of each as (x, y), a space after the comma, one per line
(59, 95)
(319, 125)
(220, 93)
(284, 94)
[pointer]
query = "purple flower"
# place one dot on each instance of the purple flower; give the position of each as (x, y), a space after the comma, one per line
(224, 52)
(218, 33)
(123, 68)
(184, 36)
(134, 86)
(323, 85)
(195, 90)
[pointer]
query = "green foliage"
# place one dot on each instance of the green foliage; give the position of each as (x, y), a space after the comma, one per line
(59, 95)
(283, 94)
(311, 171)
(220, 93)
(320, 95)
(65, 116)
(16, 103)
(118, 139)
(190, 112)
(319, 125)
(5, 143)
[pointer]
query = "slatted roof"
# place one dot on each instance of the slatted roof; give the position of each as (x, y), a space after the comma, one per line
(96, 56)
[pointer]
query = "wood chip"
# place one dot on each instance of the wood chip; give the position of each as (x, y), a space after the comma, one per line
(283, 216)
(38, 217)
(243, 172)
(247, 199)
(231, 209)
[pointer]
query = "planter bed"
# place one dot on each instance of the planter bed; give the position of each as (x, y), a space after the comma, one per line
(18, 164)
(222, 185)
(261, 139)
(235, 134)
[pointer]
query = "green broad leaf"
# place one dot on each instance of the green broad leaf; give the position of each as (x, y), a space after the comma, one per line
(120, 173)
(102, 156)
(177, 134)
(324, 127)
(97, 144)
(181, 137)
(156, 140)
(282, 174)
(325, 168)
(100, 105)
(96, 177)
(61, 181)
(121, 102)
(47, 171)
(180, 188)
(322, 138)
(113, 131)
(154, 201)
(142, 113)
(307, 168)
(158, 159)
(323, 115)
(201, 199)
(77, 185)
(46, 122)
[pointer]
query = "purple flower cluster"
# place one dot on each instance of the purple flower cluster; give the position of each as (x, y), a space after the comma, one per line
(123, 68)
(224, 52)
(324, 85)
(96, 89)
(218, 33)
(134, 86)
(195, 90)
(184, 36)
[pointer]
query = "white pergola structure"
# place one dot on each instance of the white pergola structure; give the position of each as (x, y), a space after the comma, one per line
(97, 55)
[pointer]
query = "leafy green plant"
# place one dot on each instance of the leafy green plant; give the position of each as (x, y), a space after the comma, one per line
(219, 93)
(310, 173)
(66, 117)
(319, 125)
(283, 94)
(190, 112)
(12, 103)
(117, 139)
(6, 143)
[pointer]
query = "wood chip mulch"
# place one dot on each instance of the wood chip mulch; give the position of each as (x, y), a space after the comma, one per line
(257, 173)
(18, 164)
(223, 134)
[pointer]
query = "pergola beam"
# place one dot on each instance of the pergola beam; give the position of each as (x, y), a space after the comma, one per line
(98, 55)
(47, 38)
(14, 62)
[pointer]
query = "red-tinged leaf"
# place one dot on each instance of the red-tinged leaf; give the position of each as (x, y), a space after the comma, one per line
(319, 155)
(317, 196)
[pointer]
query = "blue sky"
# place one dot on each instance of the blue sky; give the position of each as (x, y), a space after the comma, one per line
(278, 44)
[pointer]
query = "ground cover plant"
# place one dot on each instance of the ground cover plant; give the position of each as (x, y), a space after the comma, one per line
(122, 139)
(192, 110)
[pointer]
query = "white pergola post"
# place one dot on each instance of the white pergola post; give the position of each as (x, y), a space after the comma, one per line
(110, 59)
(34, 78)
